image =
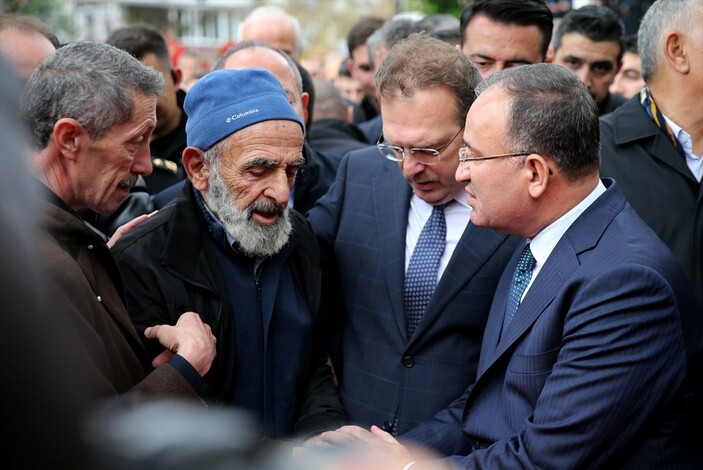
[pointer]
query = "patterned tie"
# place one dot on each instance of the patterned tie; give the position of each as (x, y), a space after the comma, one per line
(421, 276)
(521, 277)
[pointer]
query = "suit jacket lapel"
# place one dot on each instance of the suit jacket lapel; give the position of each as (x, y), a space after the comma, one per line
(474, 247)
(391, 201)
(583, 234)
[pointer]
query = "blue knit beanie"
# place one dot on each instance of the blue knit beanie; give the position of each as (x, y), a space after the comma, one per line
(226, 101)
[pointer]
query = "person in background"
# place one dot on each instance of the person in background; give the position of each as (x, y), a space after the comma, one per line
(350, 87)
(169, 138)
(628, 82)
(653, 144)
(588, 42)
(193, 66)
(409, 338)
(91, 109)
(231, 248)
(275, 27)
(24, 42)
(332, 129)
(499, 34)
(359, 64)
(593, 350)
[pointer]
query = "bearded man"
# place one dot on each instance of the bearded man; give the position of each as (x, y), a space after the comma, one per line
(231, 249)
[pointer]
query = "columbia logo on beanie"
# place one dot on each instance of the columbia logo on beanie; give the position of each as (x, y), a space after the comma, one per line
(226, 101)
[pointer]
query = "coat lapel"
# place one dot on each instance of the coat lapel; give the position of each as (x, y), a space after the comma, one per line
(391, 201)
(475, 246)
(583, 235)
(633, 123)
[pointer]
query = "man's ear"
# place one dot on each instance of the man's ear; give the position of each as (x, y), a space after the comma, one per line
(305, 99)
(538, 172)
(676, 52)
(549, 59)
(177, 76)
(69, 136)
(197, 168)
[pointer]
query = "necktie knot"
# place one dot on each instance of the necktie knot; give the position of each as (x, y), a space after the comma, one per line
(421, 276)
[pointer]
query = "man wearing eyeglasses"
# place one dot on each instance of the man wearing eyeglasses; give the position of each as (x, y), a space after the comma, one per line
(410, 279)
(592, 352)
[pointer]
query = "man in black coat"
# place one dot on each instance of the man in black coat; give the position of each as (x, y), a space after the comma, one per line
(653, 144)
(232, 250)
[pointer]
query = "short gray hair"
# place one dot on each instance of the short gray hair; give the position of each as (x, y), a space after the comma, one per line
(88, 82)
(553, 114)
(662, 17)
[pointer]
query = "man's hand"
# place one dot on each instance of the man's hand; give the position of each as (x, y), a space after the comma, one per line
(189, 337)
(380, 449)
(124, 229)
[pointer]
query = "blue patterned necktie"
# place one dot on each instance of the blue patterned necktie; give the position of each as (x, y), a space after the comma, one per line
(421, 276)
(521, 278)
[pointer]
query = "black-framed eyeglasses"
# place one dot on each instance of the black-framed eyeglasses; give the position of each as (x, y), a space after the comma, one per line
(465, 158)
(426, 156)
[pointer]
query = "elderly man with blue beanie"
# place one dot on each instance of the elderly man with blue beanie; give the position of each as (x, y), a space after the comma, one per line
(230, 249)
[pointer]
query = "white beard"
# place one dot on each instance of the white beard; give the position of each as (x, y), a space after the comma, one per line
(253, 238)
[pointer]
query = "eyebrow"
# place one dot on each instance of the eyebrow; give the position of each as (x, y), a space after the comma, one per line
(262, 162)
(604, 64)
(481, 56)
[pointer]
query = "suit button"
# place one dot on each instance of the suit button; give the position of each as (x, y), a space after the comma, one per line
(408, 361)
(387, 426)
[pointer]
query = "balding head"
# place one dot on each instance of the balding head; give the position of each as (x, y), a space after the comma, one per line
(24, 42)
(275, 27)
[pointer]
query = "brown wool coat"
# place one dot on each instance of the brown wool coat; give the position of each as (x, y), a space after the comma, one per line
(85, 286)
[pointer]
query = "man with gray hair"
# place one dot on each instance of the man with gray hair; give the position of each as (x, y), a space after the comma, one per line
(231, 249)
(593, 349)
(653, 144)
(90, 109)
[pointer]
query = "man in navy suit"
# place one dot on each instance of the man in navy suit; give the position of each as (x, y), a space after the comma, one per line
(369, 223)
(596, 361)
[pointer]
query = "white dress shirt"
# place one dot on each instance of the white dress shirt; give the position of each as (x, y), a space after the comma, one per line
(456, 214)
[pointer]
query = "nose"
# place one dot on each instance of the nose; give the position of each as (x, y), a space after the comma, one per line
(278, 187)
(462, 172)
(411, 166)
(617, 87)
(584, 75)
(142, 161)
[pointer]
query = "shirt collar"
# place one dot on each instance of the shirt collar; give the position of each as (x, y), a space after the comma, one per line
(545, 241)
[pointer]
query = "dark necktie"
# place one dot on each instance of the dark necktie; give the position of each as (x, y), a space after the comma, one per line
(421, 276)
(521, 277)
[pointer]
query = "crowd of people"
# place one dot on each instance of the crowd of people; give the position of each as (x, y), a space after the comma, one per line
(477, 243)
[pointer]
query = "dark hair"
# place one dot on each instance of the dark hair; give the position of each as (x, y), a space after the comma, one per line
(140, 40)
(551, 113)
(361, 31)
(420, 62)
(28, 24)
(519, 12)
(629, 43)
(596, 22)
